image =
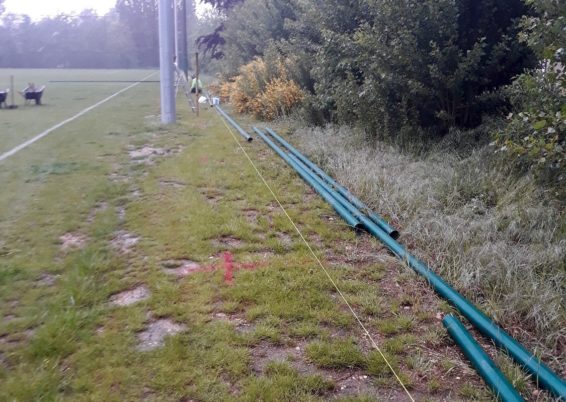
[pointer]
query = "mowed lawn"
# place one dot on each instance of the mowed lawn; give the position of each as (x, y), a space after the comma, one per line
(142, 262)
(61, 99)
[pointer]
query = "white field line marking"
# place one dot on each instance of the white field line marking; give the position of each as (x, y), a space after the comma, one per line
(70, 119)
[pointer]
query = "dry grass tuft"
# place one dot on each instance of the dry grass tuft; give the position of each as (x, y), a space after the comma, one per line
(264, 91)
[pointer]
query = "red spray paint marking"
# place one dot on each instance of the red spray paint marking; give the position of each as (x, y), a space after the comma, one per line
(228, 268)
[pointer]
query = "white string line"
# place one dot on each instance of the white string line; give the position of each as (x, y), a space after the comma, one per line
(374, 344)
(17, 149)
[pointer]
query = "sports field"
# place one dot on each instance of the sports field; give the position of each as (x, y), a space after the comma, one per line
(142, 262)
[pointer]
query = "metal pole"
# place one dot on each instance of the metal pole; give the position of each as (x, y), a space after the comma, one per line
(167, 69)
(182, 52)
(197, 86)
(176, 25)
(12, 91)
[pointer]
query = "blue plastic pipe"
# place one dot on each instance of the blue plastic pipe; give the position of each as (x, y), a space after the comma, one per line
(542, 375)
(485, 367)
(341, 189)
(234, 124)
(343, 212)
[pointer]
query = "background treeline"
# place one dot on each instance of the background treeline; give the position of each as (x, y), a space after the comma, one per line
(126, 37)
(406, 70)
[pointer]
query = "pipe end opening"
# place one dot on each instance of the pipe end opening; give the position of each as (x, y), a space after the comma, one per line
(394, 234)
(250, 139)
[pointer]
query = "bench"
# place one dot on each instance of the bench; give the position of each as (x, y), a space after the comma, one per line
(34, 95)
(3, 97)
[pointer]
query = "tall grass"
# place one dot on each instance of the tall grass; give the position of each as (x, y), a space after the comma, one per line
(497, 238)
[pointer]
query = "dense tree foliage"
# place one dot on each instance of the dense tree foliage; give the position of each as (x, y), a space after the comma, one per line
(140, 16)
(535, 137)
(416, 66)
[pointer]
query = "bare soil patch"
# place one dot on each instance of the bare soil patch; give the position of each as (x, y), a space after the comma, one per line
(239, 323)
(131, 296)
(124, 241)
(180, 268)
(146, 152)
(365, 251)
(99, 207)
(251, 215)
(285, 239)
(213, 195)
(227, 242)
(121, 211)
(116, 177)
(172, 183)
(46, 280)
(72, 240)
(348, 382)
(154, 335)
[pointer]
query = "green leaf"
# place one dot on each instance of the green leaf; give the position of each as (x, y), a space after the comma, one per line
(539, 125)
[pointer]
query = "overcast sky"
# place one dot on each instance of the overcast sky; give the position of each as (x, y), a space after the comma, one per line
(37, 9)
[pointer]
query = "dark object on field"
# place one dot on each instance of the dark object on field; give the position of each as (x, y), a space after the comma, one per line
(3, 97)
(31, 93)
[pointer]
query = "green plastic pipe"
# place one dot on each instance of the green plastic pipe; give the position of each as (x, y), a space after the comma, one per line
(485, 367)
(341, 189)
(234, 124)
(345, 214)
(337, 196)
(542, 375)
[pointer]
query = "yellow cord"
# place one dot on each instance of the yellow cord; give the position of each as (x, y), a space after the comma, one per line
(374, 344)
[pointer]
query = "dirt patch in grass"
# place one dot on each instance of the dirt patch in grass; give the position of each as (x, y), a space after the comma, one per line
(227, 242)
(121, 211)
(265, 353)
(72, 240)
(9, 318)
(145, 152)
(213, 195)
(46, 280)
(180, 268)
(348, 382)
(124, 241)
(239, 323)
(99, 207)
(154, 335)
(172, 183)
(116, 177)
(364, 251)
(251, 215)
(131, 296)
(285, 239)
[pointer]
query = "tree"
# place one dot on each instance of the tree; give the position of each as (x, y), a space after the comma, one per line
(419, 66)
(244, 40)
(535, 137)
(140, 16)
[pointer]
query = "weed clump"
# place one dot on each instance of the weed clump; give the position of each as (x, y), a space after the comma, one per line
(264, 91)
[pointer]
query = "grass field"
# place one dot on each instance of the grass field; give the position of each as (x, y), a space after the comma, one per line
(117, 239)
